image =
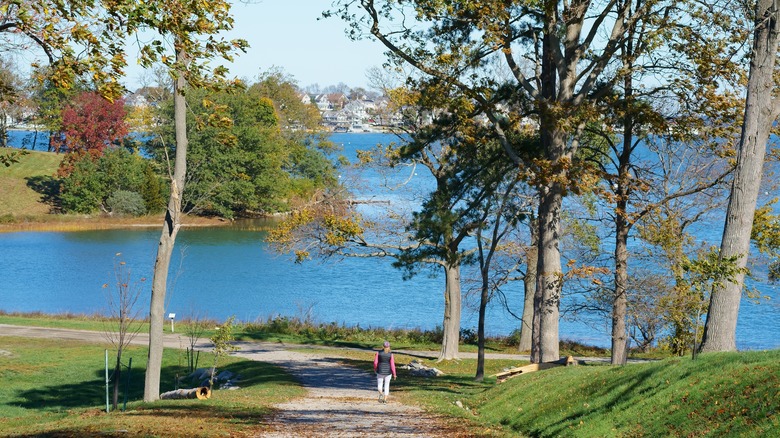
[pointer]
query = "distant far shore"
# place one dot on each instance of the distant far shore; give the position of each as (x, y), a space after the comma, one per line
(53, 222)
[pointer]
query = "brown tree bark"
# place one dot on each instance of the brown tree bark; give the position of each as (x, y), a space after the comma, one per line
(452, 310)
(619, 299)
(549, 277)
(760, 113)
(170, 229)
(529, 290)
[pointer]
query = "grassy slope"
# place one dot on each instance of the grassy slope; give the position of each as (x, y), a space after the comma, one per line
(16, 196)
(724, 394)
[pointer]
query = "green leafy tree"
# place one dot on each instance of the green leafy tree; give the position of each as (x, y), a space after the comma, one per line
(92, 180)
(126, 203)
(261, 171)
(296, 117)
(153, 190)
(82, 191)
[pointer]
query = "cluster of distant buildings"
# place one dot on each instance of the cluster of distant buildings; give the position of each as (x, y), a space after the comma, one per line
(340, 112)
(359, 114)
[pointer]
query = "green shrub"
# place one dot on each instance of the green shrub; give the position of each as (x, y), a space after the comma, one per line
(468, 336)
(153, 190)
(124, 202)
(93, 179)
(82, 191)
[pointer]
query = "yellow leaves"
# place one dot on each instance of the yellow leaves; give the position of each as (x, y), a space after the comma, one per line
(340, 229)
(574, 271)
(766, 229)
(301, 256)
(400, 97)
(575, 176)
(309, 228)
(283, 234)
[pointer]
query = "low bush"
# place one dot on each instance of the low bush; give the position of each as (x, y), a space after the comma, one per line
(126, 203)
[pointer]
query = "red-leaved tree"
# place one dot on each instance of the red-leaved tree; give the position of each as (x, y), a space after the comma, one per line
(89, 125)
(92, 122)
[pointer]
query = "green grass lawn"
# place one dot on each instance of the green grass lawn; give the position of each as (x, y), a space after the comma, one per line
(57, 388)
(51, 387)
(23, 184)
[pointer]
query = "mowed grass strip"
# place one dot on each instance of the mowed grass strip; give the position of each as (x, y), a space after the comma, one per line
(57, 388)
(17, 195)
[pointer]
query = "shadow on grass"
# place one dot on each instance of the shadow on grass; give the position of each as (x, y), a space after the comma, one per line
(443, 384)
(721, 394)
(48, 187)
(162, 418)
(92, 392)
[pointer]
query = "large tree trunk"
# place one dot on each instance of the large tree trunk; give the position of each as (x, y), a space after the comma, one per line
(452, 310)
(549, 274)
(760, 113)
(547, 296)
(622, 227)
(619, 333)
(529, 289)
(170, 229)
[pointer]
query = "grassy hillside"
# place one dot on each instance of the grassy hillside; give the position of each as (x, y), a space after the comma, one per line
(23, 184)
(723, 394)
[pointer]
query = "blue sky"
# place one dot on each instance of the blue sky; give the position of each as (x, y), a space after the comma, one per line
(287, 34)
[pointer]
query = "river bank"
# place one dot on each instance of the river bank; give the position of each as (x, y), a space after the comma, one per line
(64, 223)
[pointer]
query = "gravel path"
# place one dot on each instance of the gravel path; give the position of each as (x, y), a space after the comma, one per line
(341, 401)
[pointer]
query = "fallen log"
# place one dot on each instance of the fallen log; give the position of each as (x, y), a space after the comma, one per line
(514, 372)
(201, 393)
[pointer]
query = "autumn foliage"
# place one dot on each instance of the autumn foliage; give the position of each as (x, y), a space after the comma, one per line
(91, 123)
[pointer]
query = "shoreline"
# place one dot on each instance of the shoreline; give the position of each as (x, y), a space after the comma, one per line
(64, 223)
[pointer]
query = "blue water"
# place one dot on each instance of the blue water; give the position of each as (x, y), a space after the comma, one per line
(28, 140)
(219, 272)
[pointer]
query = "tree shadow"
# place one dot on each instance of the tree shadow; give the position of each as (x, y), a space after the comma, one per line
(92, 392)
(452, 384)
(49, 189)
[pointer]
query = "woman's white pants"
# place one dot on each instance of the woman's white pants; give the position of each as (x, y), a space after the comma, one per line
(383, 383)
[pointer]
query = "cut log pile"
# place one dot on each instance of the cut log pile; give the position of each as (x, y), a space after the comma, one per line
(201, 393)
(514, 372)
(416, 368)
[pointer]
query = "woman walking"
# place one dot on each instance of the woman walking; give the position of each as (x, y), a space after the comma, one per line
(384, 366)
